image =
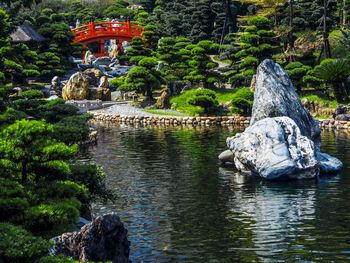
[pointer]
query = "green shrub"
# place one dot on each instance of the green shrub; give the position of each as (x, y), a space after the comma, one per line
(19, 246)
(72, 129)
(32, 94)
(242, 102)
(56, 111)
(93, 177)
(249, 62)
(296, 72)
(249, 38)
(259, 21)
(13, 200)
(63, 190)
(205, 99)
(53, 216)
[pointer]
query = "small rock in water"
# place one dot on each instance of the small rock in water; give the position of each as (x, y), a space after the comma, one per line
(227, 156)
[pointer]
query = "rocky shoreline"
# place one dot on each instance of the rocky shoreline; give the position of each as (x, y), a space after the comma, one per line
(198, 121)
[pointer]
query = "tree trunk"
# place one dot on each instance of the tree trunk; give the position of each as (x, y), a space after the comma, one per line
(24, 172)
(339, 92)
(149, 93)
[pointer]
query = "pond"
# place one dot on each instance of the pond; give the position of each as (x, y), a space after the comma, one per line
(180, 205)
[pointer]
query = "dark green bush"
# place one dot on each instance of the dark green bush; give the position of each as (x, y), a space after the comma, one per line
(63, 190)
(72, 129)
(19, 246)
(93, 177)
(13, 200)
(32, 94)
(205, 99)
(242, 102)
(53, 216)
(259, 21)
(55, 111)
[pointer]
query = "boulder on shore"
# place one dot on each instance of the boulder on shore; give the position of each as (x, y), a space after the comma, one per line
(104, 239)
(283, 140)
(163, 102)
(77, 87)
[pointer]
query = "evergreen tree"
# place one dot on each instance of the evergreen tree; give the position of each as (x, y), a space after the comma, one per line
(251, 46)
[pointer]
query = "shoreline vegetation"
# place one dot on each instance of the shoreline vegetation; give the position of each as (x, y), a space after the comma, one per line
(195, 58)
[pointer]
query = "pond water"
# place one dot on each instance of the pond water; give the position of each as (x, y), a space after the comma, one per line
(180, 205)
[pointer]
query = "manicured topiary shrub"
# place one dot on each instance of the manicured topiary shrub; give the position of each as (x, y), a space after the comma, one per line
(242, 102)
(205, 99)
(53, 216)
(32, 94)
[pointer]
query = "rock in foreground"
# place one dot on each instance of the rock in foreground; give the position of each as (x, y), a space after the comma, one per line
(104, 239)
(283, 140)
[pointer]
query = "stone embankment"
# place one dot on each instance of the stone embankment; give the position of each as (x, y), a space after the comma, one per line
(172, 120)
(200, 121)
(335, 124)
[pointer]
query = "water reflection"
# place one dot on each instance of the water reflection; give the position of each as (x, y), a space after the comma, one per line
(181, 206)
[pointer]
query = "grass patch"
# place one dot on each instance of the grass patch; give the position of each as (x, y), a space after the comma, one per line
(165, 113)
(182, 105)
(225, 95)
(323, 102)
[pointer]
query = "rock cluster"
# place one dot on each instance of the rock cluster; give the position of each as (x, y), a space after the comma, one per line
(104, 239)
(283, 140)
(170, 120)
(91, 85)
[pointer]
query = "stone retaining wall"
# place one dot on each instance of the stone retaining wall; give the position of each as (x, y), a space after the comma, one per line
(335, 124)
(173, 120)
(200, 121)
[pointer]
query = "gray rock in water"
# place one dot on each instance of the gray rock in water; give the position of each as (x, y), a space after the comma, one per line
(104, 239)
(275, 96)
(328, 164)
(274, 148)
(227, 156)
(283, 140)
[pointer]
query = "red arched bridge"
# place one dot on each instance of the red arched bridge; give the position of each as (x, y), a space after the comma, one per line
(105, 31)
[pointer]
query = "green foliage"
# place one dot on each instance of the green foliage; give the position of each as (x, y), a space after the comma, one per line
(143, 78)
(333, 72)
(19, 246)
(205, 99)
(27, 146)
(72, 129)
(93, 177)
(297, 71)
(242, 102)
(196, 102)
(259, 22)
(13, 200)
(248, 48)
(321, 101)
(32, 94)
(53, 216)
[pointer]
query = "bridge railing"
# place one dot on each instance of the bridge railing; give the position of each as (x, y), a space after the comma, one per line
(104, 29)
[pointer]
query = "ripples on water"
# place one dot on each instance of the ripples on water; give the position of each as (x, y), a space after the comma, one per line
(179, 205)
